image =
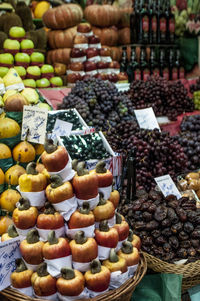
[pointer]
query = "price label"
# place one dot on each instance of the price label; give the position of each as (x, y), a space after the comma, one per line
(34, 124)
(62, 128)
(9, 251)
(146, 119)
(167, 186)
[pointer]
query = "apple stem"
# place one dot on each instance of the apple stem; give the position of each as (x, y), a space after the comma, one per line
(49, 209)
(95, 266)
(74, 164)
(24, 204)
(81, 170)
(56, 181)
(130, 235)
(12, 231)
(32, 236)
(102, 201)
(52, 239)
(103, 226)
(67, 273)
(85, 209)
(42, 270)
(31, 169)
(49, 146)
(118, 218)
(20, 265)
(127, 247)
(113, 256)
(80, 237)
(100, 167)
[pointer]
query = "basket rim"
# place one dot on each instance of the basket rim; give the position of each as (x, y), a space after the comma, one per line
(128, 286)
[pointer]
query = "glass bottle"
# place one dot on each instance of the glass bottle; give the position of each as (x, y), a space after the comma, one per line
(170, 24)
(144, 66)
(124, 60)
(162, 24)
(164, 69)
(154, 67)
(133, 69)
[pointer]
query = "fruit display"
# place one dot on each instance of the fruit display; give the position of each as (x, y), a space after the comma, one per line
(39, 8)
(196, 86)
(196, 99)
(190, 181)
(102, 15)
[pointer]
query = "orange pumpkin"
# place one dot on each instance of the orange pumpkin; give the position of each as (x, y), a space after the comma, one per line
(124, 36)
(61, 55)
(108, 35)
(102, 15)
(116, 53)
(125, 17)
(62, 38)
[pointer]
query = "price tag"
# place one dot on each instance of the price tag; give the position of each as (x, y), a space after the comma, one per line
(167, 186)
(34, 124)
(62, 128)
(9, 251)
(146, 119)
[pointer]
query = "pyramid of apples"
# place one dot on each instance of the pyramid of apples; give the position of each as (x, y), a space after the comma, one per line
(73, 242)
(88, 58)
(30, 65)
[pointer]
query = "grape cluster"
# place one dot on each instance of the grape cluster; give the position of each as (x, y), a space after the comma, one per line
(166, 98)
(195, 87)
(98, 102)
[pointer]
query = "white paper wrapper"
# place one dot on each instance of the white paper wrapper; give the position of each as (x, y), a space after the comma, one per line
(106, 191)
(132, 269)
(60, 232)
(89, 231)
(104, 71)
(93, 202)
(53, 297)
(83, 295)
(26, 290)
(106, 59)
(23, 232)
(114, 70)
(117, 279)
(82, 73)
(87, 34)
(54, 265)
(78, 59)
(93, 72)
(103, 252)
(111, 222)
(97, 45)
(81, 266)
(2, 89)
(32, 267)
(119, 245)
(18, 87)
(67, 173)
(94, 294)
(36, 199)
(81, 46)
(66, 208)
(95, 59)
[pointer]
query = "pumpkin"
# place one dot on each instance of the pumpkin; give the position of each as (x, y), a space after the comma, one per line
(108, 36)
(62, 38)
(12, 233)
(124, 36)
(125, 17)
(25, 216)
(97, 279)
(116, 53)
(102, 15)
(5, 222)
(8, 127)
(9, 198)
(25, 150)
(58, 191)
(21, 277)
(59, 56)
(63, 16)
(13, 173)
(2, 177)
(5, 151)
(40, 9)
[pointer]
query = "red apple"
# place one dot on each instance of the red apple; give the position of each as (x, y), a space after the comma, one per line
(80, 41)
(93, 40)
(90, 68)
(105, 51)
(76, 66)
(113, 78)
(73, 77)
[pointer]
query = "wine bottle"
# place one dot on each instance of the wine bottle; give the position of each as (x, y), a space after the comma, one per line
(154, 68)
(133, 69)
(144, 66)
(164, 69)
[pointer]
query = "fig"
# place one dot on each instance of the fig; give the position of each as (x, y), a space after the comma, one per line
(173, 241)
(188, 227)
(152, 225)
(160, 213)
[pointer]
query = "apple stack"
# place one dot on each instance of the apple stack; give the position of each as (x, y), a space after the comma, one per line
(88, 58)
(100, 252)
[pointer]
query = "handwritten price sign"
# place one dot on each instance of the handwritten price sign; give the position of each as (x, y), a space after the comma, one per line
(9, 251)
(34, 124)
(146, 119)
(62, 128)
(167, 186)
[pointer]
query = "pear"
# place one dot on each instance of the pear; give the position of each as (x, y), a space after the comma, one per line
(31, 95)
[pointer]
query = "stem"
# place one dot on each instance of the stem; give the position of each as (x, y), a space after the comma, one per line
(24, 204)
(113, 256)
(127, 247)
(49, 209)
(103, 226)
(32, 236)
(130, 235)
(85, 209)
(95, 266)
(12, 231)
(56, 181)
(80, 237)
(100, 167)
(20, 265)
(42, 270)
(67, 273)
(49, 146)
(81, 170)
(118, 218)
(52, 239)
(19, 159)
(102, 201)
(74, 164)
(31, 169)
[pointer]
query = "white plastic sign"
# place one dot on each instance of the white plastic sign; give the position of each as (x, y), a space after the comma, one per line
(9, 251)
(34, 124)
(167, 186)
(146, 119)
(62, 128)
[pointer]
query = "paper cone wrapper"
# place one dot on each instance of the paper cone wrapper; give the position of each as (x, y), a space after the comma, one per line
(87, 34)
(36, 199)
(23, 232)
(66, 208)
(23, 64)
(106, 191)
(11, 51)
(132, 269)
(26, 290)
(81, 59)
(67, 173)
(93, 202)
(53, 297)
(6, 65)
(111, 222)
(119, 245)
(54, 265)
(97, 45)
(89, 231)
(83, 295)
(32, 267)
(103, 252)
(18, 87)
(2, 89)
(94, 294)
(117, 279)
(82, 73)
(28, 50)
(31, 76)
(81, 266)
(47, 75)
(60, 232)
(37, 64)
(95, 59)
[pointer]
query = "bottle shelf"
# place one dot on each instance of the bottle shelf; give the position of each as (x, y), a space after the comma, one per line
(150, 45)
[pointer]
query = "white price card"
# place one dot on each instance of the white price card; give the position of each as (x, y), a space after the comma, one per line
(34, 124)
(9, 251)
(167, 186)
(146, 119)
(62, 128)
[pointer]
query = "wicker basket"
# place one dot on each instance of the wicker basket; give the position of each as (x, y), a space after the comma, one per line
(123, 293)
(190, 271)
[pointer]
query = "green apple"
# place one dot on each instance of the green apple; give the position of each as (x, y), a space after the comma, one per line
(29, 83)
(56, 81)
(21, 71)
(6, 59)
(43, 105)
(26, 44)
(22, 58)
(33, 70)
(17, 32)
(11, 44)
(47, 69)
(3, 71)
(37, 57)
(42, 83)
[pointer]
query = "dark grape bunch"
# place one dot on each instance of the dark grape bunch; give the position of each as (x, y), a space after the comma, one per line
(98, 102)
(166, 98)
(195, 87)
